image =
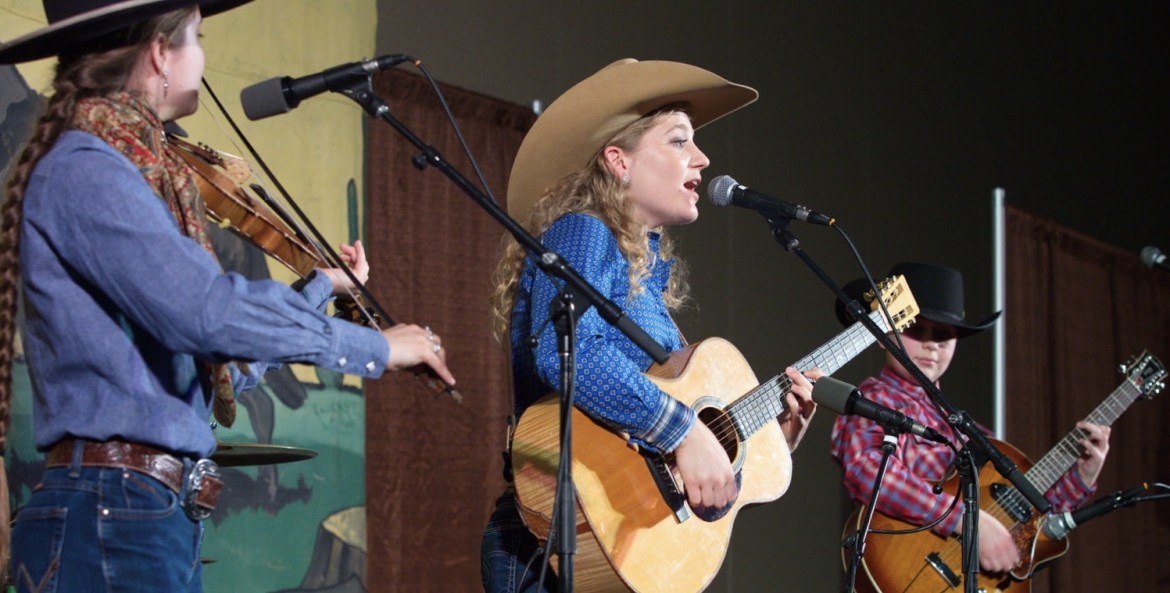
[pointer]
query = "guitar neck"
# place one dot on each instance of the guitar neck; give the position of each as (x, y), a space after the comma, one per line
(1057, 461)
(766, 402)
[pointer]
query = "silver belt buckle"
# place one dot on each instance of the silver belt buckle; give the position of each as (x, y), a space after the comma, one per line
(201, 469)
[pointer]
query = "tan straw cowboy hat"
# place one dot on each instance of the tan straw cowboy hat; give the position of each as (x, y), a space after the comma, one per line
(579, 123)
(75, 22)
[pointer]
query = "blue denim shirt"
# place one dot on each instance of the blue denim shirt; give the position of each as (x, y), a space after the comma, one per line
(610, 383)
(119, 306)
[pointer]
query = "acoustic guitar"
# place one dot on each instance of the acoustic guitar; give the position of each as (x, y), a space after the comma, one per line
(635, 530)
(924, 562)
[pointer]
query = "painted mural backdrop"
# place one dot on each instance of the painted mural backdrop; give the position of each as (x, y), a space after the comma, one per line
(296, 526)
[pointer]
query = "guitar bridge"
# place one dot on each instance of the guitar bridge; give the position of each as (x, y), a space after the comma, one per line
(942, 569)
(668, 487)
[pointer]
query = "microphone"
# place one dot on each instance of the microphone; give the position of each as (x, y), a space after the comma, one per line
(724, 190)
(1154, 258)
(1057, 526)
(282, 94)
(847, 400)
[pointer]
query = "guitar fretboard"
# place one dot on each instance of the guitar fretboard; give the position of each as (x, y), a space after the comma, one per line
(766, 402)
(1057, 461)
(1144, 379)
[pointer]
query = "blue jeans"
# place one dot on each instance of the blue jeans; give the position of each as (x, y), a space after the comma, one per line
(510, 556)
(90, 529)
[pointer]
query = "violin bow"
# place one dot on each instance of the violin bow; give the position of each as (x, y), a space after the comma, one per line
(315, 239)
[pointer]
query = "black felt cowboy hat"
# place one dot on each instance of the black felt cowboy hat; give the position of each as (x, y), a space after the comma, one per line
(75, 22)
(938, 290)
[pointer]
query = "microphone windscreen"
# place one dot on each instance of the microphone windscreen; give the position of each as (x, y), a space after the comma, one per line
(1151, 256)
(264, 99)
(719, 190)
(832, 394)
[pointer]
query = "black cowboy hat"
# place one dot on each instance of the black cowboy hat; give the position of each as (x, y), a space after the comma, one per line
(938, 290)
(74, 22)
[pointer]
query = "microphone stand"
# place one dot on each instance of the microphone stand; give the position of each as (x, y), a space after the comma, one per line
(977, 446)
(564, 311)
(857, 540)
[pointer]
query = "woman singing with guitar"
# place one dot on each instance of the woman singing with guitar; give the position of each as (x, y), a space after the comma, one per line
(906, 493)
(606, 169)
(131, 326)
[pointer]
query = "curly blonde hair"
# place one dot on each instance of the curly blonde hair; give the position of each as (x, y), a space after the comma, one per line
(592, 190)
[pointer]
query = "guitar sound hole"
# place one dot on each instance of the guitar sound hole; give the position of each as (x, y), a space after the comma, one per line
(724, 429)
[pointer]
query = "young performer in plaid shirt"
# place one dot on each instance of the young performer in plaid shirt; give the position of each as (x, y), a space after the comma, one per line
(917, 464)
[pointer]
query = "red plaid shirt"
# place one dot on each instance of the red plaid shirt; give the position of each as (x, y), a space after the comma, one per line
(917, 463)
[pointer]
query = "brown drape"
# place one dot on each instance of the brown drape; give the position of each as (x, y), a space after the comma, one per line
(1076, 308)
(433, 467)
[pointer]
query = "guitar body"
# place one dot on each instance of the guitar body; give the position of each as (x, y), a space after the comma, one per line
(924, 562)
(633, 534)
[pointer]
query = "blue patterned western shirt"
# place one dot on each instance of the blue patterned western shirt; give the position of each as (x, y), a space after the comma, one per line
(610, 384)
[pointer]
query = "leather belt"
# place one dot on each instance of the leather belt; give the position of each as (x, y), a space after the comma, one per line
(202, 486)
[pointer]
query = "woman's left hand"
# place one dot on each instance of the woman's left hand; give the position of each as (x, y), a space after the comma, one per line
(799, 406)
(354, 257)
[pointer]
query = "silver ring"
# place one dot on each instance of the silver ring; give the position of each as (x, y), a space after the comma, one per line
(430, 334)
(436, 348)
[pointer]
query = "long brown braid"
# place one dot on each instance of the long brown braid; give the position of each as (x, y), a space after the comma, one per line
(78, 76)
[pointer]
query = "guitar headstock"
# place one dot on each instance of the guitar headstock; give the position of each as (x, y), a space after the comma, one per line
(1146, 373)
(899, 302)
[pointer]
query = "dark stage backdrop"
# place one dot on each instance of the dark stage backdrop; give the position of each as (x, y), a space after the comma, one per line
(1077, 308)
(433, 467)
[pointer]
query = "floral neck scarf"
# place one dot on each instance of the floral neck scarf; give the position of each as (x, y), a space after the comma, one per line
(132, 127)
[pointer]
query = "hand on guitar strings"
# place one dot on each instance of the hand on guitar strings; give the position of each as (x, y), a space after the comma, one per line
(1094, 448)
(998, 553)
(799, 406)
(705, 469)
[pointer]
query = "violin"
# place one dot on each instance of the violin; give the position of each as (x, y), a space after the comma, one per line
(220, 178)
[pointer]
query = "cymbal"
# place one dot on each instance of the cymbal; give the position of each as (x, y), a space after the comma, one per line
(235, 454)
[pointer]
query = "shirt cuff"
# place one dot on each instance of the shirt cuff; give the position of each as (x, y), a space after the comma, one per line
(950, 525)
(670, 426)
(355, 349)
(316, 288)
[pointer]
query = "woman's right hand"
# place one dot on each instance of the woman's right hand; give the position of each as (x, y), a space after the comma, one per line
(705, 469)
(411, 345)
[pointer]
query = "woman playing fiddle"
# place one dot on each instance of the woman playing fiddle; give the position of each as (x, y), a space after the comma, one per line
(130, 322)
